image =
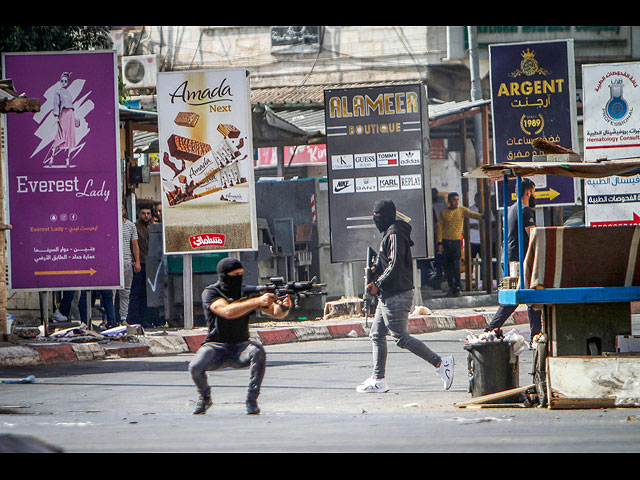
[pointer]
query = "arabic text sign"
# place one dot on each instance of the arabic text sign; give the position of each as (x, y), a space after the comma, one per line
(611, 98)
(374, 151)
(63, 175)
(532, 96)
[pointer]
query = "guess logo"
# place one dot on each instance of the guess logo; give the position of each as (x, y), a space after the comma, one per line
(205, 239)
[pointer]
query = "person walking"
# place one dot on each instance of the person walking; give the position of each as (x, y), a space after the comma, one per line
(393, 284)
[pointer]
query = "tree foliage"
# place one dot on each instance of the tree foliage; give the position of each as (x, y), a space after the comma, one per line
(29, 38)
(32, 38)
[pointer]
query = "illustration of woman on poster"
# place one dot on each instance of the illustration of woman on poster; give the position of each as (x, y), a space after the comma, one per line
(63, 110)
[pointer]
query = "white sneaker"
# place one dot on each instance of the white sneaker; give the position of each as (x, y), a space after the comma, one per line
(445, 370)
(58, 317)
(373, 385)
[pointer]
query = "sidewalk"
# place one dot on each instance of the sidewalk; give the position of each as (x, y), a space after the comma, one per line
(42, 351)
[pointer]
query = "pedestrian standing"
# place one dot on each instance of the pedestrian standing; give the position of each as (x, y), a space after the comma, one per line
(138, 298)
(450, 226)
(131, 262)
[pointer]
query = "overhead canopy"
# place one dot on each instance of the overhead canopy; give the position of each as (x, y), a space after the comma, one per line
(270, 129)
(13, 102)
(623, 167)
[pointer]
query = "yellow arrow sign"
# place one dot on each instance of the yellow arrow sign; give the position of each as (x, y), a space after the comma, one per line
(550, 194)
(91, 271)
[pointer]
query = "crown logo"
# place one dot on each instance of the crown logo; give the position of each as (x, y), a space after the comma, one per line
(529, 65)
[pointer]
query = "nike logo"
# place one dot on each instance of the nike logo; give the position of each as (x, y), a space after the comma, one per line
(340, 186)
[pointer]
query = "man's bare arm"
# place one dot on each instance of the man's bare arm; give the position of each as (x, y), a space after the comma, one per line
(223, 308)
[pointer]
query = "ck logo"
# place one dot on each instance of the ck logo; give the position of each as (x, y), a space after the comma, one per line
(341, 162)
(343, 185)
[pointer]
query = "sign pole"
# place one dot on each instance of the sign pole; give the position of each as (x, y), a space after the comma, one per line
(187, 291)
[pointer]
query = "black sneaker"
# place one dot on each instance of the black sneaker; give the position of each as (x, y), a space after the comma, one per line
(204, 403)
(252, 407)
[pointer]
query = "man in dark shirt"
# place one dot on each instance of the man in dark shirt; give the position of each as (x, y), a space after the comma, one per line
(394, 285)
(528, 199)
(227, 343)
(138, 297)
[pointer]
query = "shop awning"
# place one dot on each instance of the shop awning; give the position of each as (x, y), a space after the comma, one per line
(622, 167)
(13, 102)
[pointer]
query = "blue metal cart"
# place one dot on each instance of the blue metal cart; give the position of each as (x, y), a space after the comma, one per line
(572, 308)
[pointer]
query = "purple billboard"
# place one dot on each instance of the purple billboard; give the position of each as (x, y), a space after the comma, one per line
(62, 172)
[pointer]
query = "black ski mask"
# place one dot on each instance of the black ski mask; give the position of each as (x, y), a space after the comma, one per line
(384, 214)
(229, 285)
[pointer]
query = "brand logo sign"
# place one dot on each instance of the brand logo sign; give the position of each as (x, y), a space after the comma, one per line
(365, 160)
(343, 185)
(341, 162)
(391, 182)
(366, 184)
(411, 157)
(207, 239)
(410, 182)
(387, 159)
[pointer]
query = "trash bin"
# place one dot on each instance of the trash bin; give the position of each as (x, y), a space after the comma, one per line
(493, 367)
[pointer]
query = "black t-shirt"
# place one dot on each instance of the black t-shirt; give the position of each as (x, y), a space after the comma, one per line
(528, 220)
(222, 329)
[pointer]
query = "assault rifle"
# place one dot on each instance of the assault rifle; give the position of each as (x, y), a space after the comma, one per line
(281, 288)
(369, 301)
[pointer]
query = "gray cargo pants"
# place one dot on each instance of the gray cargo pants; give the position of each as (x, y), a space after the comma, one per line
(214, 356)
(392, 315)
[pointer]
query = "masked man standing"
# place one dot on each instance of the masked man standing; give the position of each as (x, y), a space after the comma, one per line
(394, 285)
(227, 343)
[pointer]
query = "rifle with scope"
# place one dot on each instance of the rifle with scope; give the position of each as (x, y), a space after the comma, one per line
(281, 288)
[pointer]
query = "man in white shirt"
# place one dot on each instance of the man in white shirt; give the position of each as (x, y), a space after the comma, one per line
(131, 261)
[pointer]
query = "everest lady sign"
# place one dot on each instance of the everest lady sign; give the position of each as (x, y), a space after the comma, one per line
(62, 170)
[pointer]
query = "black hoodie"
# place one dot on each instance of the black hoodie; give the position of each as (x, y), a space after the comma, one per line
(394, 268)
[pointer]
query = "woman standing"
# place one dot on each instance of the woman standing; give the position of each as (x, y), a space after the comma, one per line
(63, 109)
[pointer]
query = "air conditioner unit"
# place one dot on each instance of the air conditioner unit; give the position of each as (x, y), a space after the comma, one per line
(117, 38)
(140, 71)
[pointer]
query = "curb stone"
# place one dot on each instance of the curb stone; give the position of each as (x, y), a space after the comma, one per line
(171, 344)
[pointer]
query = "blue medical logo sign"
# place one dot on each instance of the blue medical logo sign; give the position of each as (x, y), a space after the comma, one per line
(533, 96)
(611, 94)
(374, 151)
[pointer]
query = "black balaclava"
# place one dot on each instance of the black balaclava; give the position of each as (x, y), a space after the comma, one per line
(384, 214)
(229, 285)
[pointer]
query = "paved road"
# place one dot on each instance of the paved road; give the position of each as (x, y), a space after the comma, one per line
(308, 402)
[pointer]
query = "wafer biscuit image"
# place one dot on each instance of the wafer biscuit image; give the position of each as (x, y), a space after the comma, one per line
(228, 130)
(186, 119)
(187, 149)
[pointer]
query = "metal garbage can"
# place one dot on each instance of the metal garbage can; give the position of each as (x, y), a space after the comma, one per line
(493, 367)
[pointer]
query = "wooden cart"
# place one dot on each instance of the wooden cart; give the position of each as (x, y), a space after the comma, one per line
(575, 365)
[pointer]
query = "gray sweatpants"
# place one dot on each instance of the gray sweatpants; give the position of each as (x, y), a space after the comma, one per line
(392, 315)
(125, 293)
(214, 356)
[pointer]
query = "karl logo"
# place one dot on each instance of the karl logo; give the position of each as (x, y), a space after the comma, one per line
(388, 183)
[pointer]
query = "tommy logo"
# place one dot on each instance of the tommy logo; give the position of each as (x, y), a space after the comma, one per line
(206, 239)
